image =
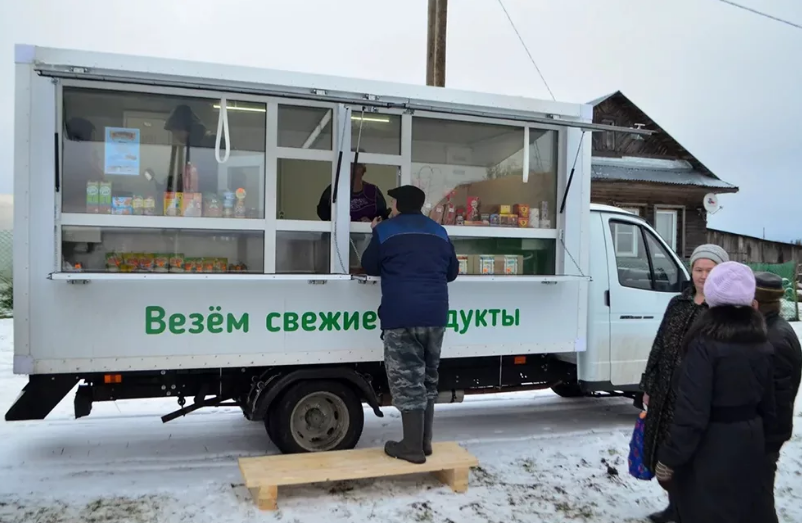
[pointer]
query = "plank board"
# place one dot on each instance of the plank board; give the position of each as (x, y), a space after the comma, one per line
(449, 462)
(298, 469)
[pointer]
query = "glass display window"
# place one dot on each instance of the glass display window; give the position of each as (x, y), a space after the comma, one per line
(303, 252)
(131, 153)
(304, 127)
(149, 250)
(473, 173)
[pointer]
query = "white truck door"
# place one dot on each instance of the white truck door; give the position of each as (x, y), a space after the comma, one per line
(593, 365)
(644, 276)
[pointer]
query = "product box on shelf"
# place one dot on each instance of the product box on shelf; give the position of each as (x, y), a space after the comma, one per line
(192, 205)
(450, 217)
(473, 214)
(464, 263)
(104, 198)
(149, 206)
(138, 205)
(438, 213)
(534, 218)
(92, 197)
(122, 205)
(521, 209)
(173, 203)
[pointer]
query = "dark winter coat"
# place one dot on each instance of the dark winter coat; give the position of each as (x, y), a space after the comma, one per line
(664, 359)
(787, 372)
(416, 260)
(725, 398)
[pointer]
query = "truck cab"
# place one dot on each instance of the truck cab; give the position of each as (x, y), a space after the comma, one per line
(634, 274)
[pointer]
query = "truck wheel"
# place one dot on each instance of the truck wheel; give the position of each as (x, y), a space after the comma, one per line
(316, 416)
(568, 390)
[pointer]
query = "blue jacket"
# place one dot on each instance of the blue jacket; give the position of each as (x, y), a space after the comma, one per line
(416, 260)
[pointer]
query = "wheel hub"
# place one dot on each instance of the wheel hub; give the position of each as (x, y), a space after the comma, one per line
(319, 421)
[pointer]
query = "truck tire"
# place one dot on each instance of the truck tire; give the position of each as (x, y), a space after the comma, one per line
(568, 390)
(315, 416)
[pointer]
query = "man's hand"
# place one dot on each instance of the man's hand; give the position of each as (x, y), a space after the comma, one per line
(376, 221)
(645, 399)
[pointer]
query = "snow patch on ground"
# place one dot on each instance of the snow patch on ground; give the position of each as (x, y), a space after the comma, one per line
(543, 459)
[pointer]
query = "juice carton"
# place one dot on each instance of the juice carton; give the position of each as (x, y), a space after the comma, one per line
(104, 197)
(92, 197)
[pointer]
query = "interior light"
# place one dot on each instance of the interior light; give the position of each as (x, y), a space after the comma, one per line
(243, 108)
(370, 119)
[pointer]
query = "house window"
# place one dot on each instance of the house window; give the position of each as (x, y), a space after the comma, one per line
(626, 240)
(633, 210)
(608, 138)
(665, 221)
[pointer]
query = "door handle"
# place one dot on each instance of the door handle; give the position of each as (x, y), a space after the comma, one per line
(607, 298)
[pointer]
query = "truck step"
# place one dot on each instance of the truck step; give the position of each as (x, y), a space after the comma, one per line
(263, 475)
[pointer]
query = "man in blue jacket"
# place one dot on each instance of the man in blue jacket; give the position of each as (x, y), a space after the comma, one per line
(416, 260)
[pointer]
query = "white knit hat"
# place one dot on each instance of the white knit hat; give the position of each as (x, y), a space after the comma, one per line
(710, 252)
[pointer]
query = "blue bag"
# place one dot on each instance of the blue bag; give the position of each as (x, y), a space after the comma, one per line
(637, 468)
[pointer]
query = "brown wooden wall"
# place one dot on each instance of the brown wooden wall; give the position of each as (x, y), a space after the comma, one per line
(619, 110)
(754, 250)
(648, 196)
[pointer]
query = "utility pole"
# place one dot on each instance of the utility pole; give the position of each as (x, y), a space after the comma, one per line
(436, 43)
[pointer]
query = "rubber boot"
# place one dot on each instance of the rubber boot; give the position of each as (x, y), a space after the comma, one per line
(428, 421)
(668, 515)
(411, 447)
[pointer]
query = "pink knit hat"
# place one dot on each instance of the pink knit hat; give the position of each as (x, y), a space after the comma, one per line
(730, 283)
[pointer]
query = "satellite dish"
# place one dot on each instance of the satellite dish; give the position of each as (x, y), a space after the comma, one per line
(711, 204)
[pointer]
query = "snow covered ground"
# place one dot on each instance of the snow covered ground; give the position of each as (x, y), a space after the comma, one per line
(543, 459)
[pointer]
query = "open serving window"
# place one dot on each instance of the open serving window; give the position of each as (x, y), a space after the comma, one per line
(178, 182)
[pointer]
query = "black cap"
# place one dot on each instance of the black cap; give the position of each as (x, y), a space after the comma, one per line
(767, 280)
(408, 198)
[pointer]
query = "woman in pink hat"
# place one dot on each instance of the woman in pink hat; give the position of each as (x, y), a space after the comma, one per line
(724, 398)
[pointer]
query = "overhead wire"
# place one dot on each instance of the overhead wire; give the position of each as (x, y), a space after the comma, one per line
(520, 38)
(761, 13)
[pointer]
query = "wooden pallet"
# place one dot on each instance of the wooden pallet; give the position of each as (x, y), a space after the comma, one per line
(263, 475)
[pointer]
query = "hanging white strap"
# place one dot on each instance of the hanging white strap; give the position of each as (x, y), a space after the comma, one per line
(222, 129)
(526, 155)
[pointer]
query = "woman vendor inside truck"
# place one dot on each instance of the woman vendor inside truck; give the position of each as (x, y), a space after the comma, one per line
(367, 200)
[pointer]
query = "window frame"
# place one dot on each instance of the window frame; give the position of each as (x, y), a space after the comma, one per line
(674, 212)
(646, 232)
(340, 226)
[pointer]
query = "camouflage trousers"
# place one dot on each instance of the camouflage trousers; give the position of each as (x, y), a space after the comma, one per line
(411, 358)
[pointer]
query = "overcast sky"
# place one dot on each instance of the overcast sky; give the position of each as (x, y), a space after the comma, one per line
(724, 82)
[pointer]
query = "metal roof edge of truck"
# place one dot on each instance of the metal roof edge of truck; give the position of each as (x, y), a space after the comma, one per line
(113, 67)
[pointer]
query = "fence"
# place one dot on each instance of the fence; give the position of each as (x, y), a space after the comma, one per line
(789, 273)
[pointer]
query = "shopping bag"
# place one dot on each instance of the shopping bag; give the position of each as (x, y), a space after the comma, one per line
(637, 467)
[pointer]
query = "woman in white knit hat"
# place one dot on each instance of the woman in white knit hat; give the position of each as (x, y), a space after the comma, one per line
(665, 358)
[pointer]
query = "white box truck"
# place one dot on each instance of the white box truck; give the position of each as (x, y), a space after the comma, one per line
(174, 237)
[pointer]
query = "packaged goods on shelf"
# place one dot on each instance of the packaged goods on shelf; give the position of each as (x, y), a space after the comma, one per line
(104, 198)
(122, 205)
(177, 262)
(463, 261)
(92, 197)
(172, 203)
(161, 262)
(192, 204)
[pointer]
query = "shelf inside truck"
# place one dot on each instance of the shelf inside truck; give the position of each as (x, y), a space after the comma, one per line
(135, 276)
(474, 278)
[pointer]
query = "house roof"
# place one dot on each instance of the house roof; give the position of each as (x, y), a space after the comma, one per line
(668, 176)
(694, 173)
